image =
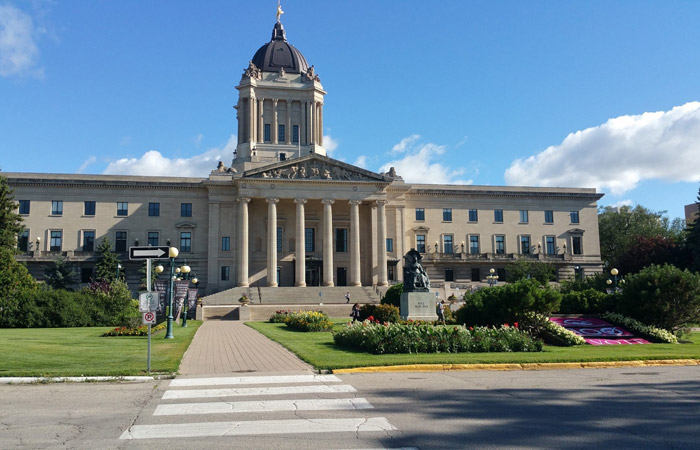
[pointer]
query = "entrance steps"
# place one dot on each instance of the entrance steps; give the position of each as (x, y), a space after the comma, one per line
(264, 301)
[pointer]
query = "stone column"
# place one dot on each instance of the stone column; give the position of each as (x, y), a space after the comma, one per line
(239, 121)
(327, 242)
(398, 245)
(381, 250)
(288, 134)
(302, 130)
(300, 244)
(243, 242)
(261, 120)
(373, 243)
(272, 241)
(355, 278)
(320, 124)
(250, 129)
(312, 128)
(213, 246)
(274, 121)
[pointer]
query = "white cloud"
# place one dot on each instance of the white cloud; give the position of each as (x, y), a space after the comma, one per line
(620, 153)
(330, 144)
(88, 162)
(154, 163)
(361, 161)
(423, 163)
(19, 54)
(621, 203)
(197, 140)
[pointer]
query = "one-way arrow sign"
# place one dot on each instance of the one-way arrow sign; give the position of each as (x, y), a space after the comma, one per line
(149, 252)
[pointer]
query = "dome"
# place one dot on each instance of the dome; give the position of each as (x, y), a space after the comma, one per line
(278, 54)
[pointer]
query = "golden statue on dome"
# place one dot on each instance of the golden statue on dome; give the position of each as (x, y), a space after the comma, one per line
(279, 11)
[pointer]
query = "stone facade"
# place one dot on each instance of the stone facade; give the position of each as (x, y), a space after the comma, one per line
(285, 214)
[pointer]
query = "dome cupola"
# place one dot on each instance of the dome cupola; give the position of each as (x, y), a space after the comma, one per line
(279, 54)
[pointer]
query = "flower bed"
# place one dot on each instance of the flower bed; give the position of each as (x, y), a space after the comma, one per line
(373, 337)
(637, 327)
(308, 321)
(138, 331)
(560, 336)
(280, 316)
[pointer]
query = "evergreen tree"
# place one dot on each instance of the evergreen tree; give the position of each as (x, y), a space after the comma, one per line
(106, 267)
(60, 275)
(10, 221)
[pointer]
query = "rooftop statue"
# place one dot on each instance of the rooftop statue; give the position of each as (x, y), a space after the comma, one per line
(414, 277)
(279, 11)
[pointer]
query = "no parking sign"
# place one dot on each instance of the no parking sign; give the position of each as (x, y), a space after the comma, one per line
(149, 317)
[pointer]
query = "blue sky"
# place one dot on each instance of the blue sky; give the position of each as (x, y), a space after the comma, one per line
(600, 94)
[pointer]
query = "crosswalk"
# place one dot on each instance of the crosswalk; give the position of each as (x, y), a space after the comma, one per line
(259, 406)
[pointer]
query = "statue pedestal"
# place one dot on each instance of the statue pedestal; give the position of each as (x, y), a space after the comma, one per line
(418, 306)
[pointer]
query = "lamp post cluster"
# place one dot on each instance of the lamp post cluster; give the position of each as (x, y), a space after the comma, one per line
(492, 278)
(176, 273)
(614, 281)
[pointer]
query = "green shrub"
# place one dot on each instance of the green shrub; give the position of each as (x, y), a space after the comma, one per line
(646, 331)
(426, 338)
(280, 316)
(662, 296)
(588, 301)
(597, 282)
(393, 295)
(308, 321)
(508, 303)
(535, 270)
(141, 330)
(380, 313)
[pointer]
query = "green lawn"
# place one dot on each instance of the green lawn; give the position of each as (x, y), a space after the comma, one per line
(83, 351)
(318, 350)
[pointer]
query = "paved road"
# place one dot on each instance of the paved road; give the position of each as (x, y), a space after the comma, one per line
(656, 407)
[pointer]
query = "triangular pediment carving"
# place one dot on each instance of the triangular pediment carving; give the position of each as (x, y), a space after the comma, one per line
(315, 167)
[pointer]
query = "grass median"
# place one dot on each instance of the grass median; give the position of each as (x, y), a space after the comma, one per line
(53, 352)
(318, 350)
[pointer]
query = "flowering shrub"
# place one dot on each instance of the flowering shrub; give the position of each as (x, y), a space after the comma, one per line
(280, 316)
(649, 332)
(308, 321)
(138, 331)
(382, 313)
(417, 337)
(555, 333)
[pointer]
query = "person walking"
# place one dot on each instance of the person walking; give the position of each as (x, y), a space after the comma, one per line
(347, 297)
(441, 311)
(355, 313)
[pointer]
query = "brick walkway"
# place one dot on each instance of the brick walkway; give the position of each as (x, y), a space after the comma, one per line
(228, 346)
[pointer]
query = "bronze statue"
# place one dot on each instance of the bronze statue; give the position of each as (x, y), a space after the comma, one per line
(415, 279)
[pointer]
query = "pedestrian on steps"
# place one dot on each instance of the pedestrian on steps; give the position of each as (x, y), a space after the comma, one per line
(347, 297)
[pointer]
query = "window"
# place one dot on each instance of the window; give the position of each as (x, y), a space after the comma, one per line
(185, 209)
(56, 240)
(389, 244)
(525, 245)
(279, 239)
(225, 243)
(476, 274)
(122, 208)
(420, 214)
(186, 241)
(500, 244)
(280, 134)
(341, 239)
(23, 241)
(57, 207)
(420, 243)
(577, 249)
(473, 215)
(154, 209)
(85, 274)
(310, 239)
(498, 215)
(574, 216)
(447, 243)
(449, 275)
(474, 245)
(24, 206)
(88, 240)
(447, 214)
(549, 216)
(550, 245)
(225, 273)
(268, 133)
(153, 238)
(295, 133)
(120, 241)
(89, 208)
(523, 216)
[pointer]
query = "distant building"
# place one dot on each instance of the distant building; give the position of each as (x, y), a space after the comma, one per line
(286, 214)
(691, 213)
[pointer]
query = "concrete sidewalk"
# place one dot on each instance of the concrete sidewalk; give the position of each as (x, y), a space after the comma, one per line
(228, 346)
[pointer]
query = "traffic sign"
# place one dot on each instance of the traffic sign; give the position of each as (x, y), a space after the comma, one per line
(149, 318)
(148, 301)
(161, 252)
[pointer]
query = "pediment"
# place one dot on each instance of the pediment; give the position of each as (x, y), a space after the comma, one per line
(315, 167)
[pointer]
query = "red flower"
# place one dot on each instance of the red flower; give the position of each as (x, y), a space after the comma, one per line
(515, 324)
(471, 328)
(371, 318)
(505, 325)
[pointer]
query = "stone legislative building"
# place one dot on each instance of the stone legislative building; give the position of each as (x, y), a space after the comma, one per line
(285, 214)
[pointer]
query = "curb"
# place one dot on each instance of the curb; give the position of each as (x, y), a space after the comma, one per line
(521, 366)
(42, 380)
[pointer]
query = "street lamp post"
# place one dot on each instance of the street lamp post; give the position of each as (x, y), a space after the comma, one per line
(614, 281)
(172, 254)
(119, 266)
(185, 270)
(492, 278)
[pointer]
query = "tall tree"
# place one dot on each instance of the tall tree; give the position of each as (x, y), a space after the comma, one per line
(10, 220)
(106, 267)
(60, 275)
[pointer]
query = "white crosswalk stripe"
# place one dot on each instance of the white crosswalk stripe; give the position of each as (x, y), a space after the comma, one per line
(291, 388)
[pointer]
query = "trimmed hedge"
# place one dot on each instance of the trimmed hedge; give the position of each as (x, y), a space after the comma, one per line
(380, 313)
